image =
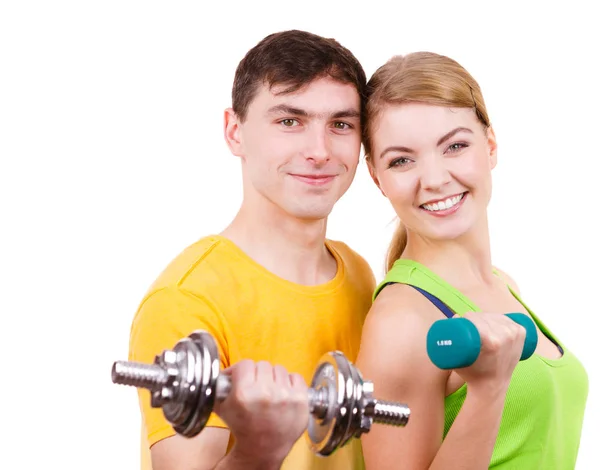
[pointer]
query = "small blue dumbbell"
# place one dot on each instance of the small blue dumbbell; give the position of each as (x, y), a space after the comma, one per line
(455, 342)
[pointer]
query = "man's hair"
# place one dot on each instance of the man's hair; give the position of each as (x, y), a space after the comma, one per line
(294, 59)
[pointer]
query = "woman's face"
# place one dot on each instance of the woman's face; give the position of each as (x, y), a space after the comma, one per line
(434, 165)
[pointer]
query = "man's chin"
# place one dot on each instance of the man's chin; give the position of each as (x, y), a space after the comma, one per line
(311, 214)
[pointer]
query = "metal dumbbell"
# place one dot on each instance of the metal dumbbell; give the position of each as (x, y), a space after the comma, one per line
(185, 382)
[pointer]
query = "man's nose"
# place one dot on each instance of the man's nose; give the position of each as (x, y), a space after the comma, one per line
(318, 146)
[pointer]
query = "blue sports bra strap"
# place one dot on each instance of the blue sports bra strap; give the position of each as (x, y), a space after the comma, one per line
(437, 302)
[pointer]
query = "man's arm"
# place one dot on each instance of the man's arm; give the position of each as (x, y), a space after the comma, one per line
(206, 451)
(163, 318)
(266, 410)
(202, 452)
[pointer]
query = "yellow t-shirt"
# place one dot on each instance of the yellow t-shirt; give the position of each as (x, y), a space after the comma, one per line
(253, 314)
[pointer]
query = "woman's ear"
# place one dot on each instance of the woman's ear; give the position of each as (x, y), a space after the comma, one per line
(373, 174)
(493, 147)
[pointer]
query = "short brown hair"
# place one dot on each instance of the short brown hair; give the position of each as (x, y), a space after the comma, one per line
(294, 58)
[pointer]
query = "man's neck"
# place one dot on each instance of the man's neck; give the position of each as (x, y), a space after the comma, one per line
(290, 248)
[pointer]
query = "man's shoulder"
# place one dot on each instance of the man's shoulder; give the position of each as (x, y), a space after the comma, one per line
(204, 259)
(347, 253)
(192, 282)
(354, 263)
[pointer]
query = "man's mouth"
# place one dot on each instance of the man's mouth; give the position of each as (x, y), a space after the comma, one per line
(314, 179)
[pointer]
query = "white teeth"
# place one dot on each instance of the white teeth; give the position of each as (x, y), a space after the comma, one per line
(443, 205)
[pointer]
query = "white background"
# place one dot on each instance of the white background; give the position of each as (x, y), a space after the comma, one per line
(113, 160)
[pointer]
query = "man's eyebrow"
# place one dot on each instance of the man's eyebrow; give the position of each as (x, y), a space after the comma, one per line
(284, 109)
(346, 113)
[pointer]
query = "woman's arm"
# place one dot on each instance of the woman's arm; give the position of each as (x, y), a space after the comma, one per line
(393, 355)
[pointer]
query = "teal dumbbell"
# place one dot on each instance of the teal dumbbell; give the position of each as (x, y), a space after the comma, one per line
(455, 342)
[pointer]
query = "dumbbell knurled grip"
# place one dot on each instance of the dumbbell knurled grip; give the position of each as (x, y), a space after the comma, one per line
(317, 400)
(384, 412)
(153, 377)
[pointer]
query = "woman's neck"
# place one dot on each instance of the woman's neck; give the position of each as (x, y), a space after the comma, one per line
(464, 262)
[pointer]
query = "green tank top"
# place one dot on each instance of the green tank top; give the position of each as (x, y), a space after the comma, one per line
(545, 402)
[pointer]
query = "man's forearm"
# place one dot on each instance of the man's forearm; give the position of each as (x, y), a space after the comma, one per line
(236, 460)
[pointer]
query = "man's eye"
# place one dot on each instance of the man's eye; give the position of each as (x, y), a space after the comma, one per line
(289, 122)
(341, 125)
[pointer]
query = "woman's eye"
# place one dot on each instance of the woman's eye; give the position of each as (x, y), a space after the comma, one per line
(400, 161)
(457, 146)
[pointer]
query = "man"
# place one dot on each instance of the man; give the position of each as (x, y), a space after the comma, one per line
(272, 290)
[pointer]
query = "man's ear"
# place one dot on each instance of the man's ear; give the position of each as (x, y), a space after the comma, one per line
(232, 132)
(373, 174)
(493, 147)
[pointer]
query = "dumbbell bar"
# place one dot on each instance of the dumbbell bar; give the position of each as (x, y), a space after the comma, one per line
(185, 382)
(455, 342)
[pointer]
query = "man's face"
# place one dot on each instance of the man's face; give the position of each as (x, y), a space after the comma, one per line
(299, 150)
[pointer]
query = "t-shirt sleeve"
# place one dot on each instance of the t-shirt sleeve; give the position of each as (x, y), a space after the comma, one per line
(165, 317)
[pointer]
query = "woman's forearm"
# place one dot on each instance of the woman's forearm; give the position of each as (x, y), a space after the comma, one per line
(470, 441)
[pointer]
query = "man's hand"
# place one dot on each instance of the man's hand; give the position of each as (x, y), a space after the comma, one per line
(266, 411)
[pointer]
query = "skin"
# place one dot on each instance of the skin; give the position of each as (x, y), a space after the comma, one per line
(285, 144)
(423, 154)
(299, 154)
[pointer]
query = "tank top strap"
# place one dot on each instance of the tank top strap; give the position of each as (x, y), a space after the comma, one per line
(405, 271)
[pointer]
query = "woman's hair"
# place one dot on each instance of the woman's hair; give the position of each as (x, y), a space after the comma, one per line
(420, 77)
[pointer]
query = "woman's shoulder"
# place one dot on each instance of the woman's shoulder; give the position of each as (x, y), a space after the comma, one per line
(394, 339)
(401, 296)
(507, 279)
(400, 309)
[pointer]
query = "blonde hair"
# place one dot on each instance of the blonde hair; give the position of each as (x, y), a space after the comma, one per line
(420, 77)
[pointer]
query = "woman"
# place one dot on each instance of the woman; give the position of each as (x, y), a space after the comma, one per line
(431, 149)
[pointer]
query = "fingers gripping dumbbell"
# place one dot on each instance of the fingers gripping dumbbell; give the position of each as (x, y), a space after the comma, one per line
(185, 382)
(455, 342)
